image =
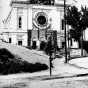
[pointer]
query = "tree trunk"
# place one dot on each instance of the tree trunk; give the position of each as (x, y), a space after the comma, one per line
(82, 44)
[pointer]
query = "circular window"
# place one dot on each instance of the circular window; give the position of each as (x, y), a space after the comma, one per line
(41, 20)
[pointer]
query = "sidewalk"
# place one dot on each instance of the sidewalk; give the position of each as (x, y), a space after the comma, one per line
(73, 67)
(80, 62)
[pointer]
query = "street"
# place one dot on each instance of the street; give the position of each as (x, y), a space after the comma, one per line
(45, 82)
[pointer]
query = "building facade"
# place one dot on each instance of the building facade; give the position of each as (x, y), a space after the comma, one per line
(30, 24)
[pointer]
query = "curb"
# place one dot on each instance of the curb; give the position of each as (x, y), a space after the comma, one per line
(48, 77)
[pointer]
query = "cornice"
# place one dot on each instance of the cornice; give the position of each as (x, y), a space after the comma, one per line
(26, 4)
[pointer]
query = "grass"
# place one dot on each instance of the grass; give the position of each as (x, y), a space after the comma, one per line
(11, 64)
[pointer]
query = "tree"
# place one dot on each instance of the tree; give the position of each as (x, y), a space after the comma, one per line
(78, 20)
(73, 19)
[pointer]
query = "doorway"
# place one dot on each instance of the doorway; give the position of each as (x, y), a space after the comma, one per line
(34, 45)
(20, 42)
(42, 45)
(10, 40)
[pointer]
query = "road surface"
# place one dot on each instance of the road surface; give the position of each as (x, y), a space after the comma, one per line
(45, 82)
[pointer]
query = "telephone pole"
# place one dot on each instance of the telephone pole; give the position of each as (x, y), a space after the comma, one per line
(66, 59)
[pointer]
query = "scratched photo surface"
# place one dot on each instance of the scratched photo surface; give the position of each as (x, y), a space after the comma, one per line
(43, 43)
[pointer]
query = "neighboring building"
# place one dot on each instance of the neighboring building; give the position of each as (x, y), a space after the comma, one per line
(30, 24)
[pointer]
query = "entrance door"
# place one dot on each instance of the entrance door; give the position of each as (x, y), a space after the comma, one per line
(9, 40)
(63, 44)
(20, 42)
(42, 45)
(34, 45)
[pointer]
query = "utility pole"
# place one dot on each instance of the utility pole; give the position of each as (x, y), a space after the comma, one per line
(65, 32)
(50, 53)
(68, 45)
(82, 44)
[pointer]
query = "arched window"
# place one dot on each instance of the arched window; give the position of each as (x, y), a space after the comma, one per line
(20, 22)
(62, 24)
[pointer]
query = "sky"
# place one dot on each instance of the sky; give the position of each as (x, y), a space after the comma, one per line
(5, 8)
(81, 2)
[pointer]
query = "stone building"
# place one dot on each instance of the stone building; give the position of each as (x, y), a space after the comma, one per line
(29, 24)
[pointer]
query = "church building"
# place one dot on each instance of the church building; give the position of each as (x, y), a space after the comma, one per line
(30, 22)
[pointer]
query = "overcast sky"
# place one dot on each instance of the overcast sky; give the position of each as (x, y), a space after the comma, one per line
(5, 8)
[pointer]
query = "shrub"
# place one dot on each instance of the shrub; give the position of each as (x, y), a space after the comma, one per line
(6, 53)
(10, 64)
(29, 67)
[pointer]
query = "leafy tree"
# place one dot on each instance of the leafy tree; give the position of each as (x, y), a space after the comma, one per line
(78, 21)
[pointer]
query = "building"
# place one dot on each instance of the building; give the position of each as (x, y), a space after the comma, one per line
(30, 23)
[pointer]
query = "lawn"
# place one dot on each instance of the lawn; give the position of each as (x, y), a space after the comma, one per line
(11, 64)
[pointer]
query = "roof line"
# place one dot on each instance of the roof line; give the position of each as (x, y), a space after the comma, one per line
(8, 15)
